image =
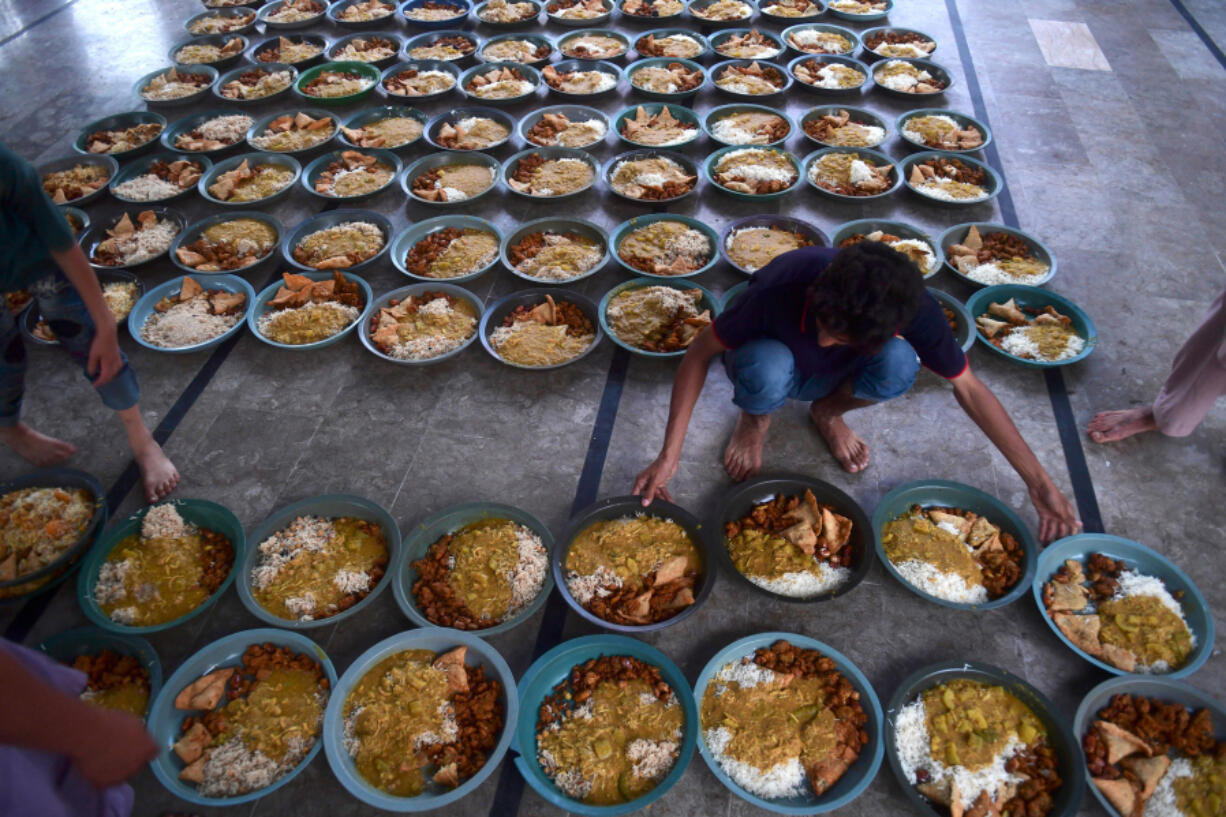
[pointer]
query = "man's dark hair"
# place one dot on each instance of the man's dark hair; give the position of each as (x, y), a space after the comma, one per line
(868, 293)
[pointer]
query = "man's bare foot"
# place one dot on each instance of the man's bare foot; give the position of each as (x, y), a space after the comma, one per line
(35, 447)
(844, 444)
(743, 457)
(1113, 426)
(157, 471)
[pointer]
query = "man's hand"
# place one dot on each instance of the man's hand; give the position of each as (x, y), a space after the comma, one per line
(104, 358)
(653, 482)
(1057, 517)
(112, 747)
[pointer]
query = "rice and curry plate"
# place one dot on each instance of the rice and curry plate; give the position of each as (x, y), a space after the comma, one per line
(659, 319)
(306, 311)
(549, 333)
(423, 326)
(37, 526)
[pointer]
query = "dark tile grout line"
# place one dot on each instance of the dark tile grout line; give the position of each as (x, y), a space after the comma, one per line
(42, 19)
(509, 793)
(1200, 31)
(1057, 390)
(29, 614)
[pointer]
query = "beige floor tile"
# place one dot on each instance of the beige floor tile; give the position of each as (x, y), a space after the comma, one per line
(1069, 45)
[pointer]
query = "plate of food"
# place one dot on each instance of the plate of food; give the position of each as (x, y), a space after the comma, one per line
(906, 239)
(433, 15)
(753, 173)
(580, 13)
(571, 126)
(594, 44)
(161, 567)
(422, 323)
(651, 176)
(632, 569)
(250, 178)
(390, 127)
(764, 701)
(527, 49)
(286, 15)
(892, 42)
(582, 78)
(550, 173)
(743, 124)
(470, 128)
(820, 38)
(860, 11)
(657, 125)
(449, 178)
(720, 13)
(750, 79)
(541, 328)
(746, 44)
(750, 243)
(950, 178)
(356, 13)
(227, 242)
(908, 78)
(420, 79)
(952, 727)
(133, 238)
(1032, 326)
(77, 180)
(852, 174)
(253, 700)
(500, 83)
(247, 85)
(666, 79)
(337, 83)
(338, 239)
(377, 49)
(120, 291)
(51, 517)
(508, 13)
(651, 11)
(829, 74)
(1123, 607)
(294, 132)
(784, 11)
(447, 46)
(122, 135)
(555, 250)
(308, 310)
(663, 245)
(945, 130)
(122, 672)
(453, 248)
(654, 317)
(209, 133)
(444, 697)
(298, 50)
(160, 177)
(1151, 743)
(619, 694)
(672, 43)
(482, 567)
(184, 315)
(318, 561)
(351, 175)
(954, 545)
(960, 321)
(176, 85)
(985, 254)
(844, 126)
(794, 538)
(221, 21)
(217, 50)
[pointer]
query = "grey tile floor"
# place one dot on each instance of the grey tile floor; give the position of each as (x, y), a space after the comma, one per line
(1119, 171)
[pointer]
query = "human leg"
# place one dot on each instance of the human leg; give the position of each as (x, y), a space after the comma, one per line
(763, 375)
(884, 376)
(29, 444)
(70, 321)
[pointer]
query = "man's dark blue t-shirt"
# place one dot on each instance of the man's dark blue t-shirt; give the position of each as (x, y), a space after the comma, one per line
(773, 307)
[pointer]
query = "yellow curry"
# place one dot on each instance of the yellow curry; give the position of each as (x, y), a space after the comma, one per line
(970, 723)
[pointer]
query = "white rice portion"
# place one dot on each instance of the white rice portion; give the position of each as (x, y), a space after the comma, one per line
(992, 274)
(912, 739)
(1162, 802)
(528, 576)
(803, 583)
(1019, 344)
(584, 588)
(233, 769)
(934, 582)
(781, 780)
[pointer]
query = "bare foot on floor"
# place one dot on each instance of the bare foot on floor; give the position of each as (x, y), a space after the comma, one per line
(37, 448)
(844, 444)
(743, 457)
(1113, 426)
(157, 472)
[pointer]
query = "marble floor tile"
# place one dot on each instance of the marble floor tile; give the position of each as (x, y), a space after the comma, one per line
(1069, 45)
(1188, 55)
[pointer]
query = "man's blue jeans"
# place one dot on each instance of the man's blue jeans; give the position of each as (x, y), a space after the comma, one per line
(764, 376)
(61, 307)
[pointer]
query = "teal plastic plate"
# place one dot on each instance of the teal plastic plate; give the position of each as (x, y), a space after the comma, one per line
(1035, 298)
(709, 302)
(638, 222)
(957, 234)
(965, 335)
(211, 280)
(67, 646)
(449, 520)
(437, 640)
(1143, 560)
(164, 719)
(269, 292)
(208, 515)
(407, 240)
(855, 780)
(901, 229)
(553, 668)
(943, 493)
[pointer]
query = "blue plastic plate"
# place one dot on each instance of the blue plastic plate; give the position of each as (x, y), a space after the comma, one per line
(504, 306)
(408, 239)
(709, 302)
(957, 234)
(211, 280)
(417, 289)
(67, 646)
(901, 229)
(269, 292)
(638, 222)
(1034, 298)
